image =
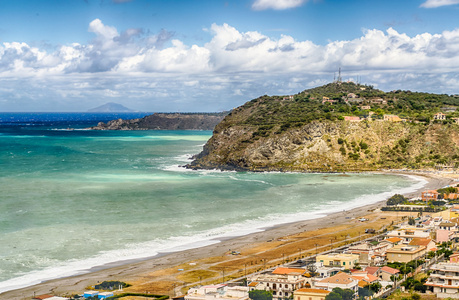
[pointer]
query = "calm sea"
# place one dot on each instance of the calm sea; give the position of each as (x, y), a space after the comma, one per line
(75, 199)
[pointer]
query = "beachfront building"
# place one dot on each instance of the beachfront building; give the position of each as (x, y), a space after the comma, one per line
(341, 280)
(310, 294)
(346, 261)
(405, 253)
(444, 280)
(429, 195)
(218, 291)
(406, 234)
(281, 282)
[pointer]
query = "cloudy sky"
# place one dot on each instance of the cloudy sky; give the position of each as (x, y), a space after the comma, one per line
(213, 55)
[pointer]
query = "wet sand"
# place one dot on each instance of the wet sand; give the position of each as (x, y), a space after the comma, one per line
(161, 274)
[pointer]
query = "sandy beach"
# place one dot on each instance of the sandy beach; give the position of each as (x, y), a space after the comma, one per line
(174, 273)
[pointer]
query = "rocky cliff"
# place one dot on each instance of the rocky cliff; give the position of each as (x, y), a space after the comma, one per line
(166, 121)
(304, 134)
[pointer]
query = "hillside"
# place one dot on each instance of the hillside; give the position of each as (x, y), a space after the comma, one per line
(166, 121)
(337, 127)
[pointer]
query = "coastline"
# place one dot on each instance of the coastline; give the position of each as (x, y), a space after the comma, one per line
(144, 273)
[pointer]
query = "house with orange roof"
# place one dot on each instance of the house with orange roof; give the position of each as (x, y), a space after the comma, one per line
(429, 195)
(428, 243)
(454, 212)
(310, 294)
(386, 272)
(42, 297)
(439, 116)
(373, 270)
(281, 282)
(407, 233)
(341, 280)
(393, 240)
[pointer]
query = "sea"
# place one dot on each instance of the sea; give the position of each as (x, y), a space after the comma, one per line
(74, 199)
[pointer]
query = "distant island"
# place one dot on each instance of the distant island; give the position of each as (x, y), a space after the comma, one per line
(166, 121)
(341, 126)
(111, 107)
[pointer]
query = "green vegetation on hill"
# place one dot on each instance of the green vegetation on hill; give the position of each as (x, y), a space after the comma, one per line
(307, 106)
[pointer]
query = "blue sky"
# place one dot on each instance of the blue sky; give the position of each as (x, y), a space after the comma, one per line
(213, 55)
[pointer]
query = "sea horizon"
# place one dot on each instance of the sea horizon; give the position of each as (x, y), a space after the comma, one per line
(104, 198)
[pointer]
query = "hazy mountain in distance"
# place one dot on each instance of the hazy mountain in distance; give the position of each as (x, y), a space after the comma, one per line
(111, 107)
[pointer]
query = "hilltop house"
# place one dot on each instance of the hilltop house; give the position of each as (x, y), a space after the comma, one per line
(439, 116)
(392, 118)
(352, 119)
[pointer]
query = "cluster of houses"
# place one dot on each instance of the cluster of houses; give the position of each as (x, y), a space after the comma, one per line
(359, 265)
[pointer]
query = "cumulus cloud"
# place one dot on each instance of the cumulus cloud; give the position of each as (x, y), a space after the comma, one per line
(438, 3)
(231, 66)
(276, 4)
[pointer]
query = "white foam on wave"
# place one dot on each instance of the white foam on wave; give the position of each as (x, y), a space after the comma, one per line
(194, 240)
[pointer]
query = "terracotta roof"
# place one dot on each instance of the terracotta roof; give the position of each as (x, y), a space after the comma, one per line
(393, 240)
(340, 278)
(286, 271)
(41, 297)
(307, 290)
(253, 284)
(420, 242)
(390, 270)
(372, 270)
(363, 283)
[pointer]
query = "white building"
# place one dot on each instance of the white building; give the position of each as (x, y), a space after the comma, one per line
(281, 282)
(445, 280)
(219, 291)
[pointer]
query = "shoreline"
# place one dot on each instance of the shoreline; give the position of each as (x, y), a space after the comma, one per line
(139, 270)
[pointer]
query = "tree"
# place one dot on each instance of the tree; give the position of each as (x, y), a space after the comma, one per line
(260, 295)
(333, 296)
(396, 199)
(346, 294)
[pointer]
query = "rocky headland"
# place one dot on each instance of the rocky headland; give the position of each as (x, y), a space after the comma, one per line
(334, 128)
(166, 121)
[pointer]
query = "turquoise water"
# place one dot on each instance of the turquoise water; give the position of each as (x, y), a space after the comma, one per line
(72, 200)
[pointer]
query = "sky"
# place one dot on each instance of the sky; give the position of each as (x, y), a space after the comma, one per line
(214, 55)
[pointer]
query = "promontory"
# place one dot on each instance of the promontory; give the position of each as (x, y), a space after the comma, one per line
(341, 126)
(166, 121)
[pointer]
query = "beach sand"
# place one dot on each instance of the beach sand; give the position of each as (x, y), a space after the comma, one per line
(174, 273)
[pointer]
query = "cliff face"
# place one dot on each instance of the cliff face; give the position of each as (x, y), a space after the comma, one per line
(175, 121)
(326, 146)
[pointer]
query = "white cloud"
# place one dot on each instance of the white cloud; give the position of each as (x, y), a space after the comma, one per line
(231, 66)
(276, 4)
(438, 3)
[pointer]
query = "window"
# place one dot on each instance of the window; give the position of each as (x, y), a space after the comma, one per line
(344, 263)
